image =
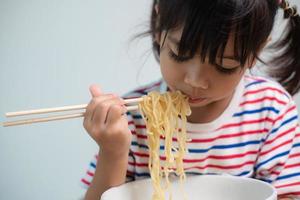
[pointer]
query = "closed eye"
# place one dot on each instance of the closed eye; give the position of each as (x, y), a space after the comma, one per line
(224, 70)
(176, 58)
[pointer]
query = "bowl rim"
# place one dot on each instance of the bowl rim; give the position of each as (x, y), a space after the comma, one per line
(222, 176)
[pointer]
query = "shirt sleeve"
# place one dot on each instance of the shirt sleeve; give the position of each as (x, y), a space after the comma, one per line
(278, 162)
(88, 177)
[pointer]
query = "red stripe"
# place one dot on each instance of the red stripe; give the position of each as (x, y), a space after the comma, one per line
(272, 173)
(292, 166)
(294, 155)
(287, 185)
(85, 182)
(247, 122)
(140, 126)
(280, 135)
(254, 78)
(222, 167)
(138, 164)
(90, 173)
(229, 136)
(276, 147)
(285, 167)
(284, 114)
(267, 119)
(264, 89)
(186, 160)
(146, 155)
(263, 99)
(210, 139)
(289, 194)
(221, 157)
(272, 170)
(129, 173)
(206, 166)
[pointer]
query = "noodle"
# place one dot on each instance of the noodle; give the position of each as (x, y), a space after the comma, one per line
(162, 113)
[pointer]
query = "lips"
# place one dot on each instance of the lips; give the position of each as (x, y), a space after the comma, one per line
(196, 98)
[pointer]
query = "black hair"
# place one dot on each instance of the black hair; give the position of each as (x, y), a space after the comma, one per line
(207, 25)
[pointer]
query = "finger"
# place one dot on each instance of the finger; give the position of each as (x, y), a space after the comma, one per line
(95, 90)
(115, 113)
(101, 111)
(90, 109)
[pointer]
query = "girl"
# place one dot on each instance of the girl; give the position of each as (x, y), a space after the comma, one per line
(241, 124)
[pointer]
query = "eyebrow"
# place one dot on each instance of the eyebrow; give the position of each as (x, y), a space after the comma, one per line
(176, 42)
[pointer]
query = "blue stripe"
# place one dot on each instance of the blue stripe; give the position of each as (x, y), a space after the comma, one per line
(266, 180)
(93, 165)
(243, 173)
(224, 146)
(288, 176)
(272, 158)
(254, 83)
(193, 173)
(144, 146)
(296, 145)
(141, 174)
(285, 122)
(198, 173)
(254, 142)
(256, 111)
(137, 117)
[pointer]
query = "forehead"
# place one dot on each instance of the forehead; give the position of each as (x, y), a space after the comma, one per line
(174, 37)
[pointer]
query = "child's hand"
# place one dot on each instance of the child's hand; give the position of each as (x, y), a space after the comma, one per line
(106, 123)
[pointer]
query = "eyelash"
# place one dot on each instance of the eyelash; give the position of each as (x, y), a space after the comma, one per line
(218, 67)
(177, 58)
(226, 71)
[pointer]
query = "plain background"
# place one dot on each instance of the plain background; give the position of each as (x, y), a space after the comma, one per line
(50, 52)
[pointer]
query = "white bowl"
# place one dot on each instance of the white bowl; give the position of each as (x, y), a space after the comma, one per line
(202, 187)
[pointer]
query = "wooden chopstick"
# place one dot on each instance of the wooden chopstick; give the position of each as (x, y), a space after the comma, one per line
(60, 109)
(57, 117)
(44, 119)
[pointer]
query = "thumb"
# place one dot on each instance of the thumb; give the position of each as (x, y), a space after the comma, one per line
(95, 90)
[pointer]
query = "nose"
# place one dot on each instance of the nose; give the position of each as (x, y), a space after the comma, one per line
(196, 77)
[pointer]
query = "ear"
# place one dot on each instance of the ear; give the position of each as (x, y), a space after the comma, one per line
(156, 8)
(157, 35)
(157, 38)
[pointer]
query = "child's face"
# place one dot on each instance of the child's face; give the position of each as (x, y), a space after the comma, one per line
(204, 83)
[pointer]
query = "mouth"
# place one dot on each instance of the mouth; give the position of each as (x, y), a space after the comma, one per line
(195, 99)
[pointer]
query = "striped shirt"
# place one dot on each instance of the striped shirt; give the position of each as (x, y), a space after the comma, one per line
(257, 136)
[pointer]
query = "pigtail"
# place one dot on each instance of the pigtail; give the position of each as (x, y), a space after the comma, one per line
(154, 29)
(287, 71)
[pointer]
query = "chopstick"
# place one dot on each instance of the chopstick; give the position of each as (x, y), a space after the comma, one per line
(65, 108)
(58, 109)
(44, 119)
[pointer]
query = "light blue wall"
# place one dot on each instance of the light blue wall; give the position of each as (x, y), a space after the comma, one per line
(50, 52)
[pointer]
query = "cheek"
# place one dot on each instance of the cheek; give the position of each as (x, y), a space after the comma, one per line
(226, 84)
(170, 70)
